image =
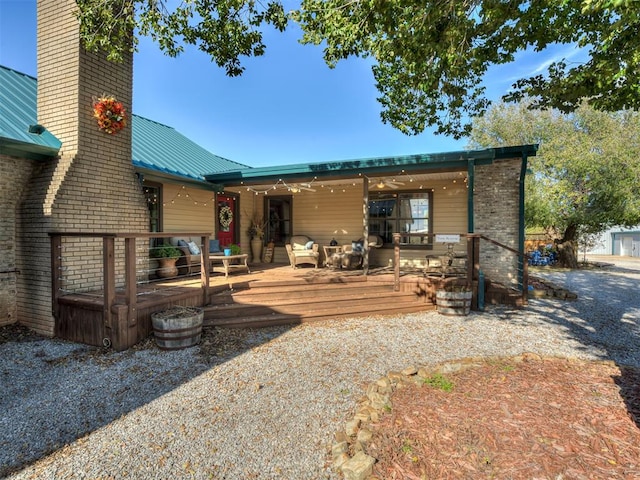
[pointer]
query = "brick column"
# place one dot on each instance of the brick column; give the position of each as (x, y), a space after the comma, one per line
(497, 215)
(92, 186)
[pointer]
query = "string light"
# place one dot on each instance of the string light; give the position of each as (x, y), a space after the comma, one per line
(290, 187)
(184, 192)
(300, 187)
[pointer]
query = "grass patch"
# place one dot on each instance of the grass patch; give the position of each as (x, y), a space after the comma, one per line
(440, 382)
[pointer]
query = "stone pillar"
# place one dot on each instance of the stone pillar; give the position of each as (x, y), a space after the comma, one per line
(92, 186)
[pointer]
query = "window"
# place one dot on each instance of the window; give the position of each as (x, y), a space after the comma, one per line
(153, 195)
(402, 213)
(278, 216)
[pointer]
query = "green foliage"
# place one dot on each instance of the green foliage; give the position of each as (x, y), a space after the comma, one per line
(223, 29)
(429, 58)
(165, 251)
(235, 249)
(586, 175)
(440, 382)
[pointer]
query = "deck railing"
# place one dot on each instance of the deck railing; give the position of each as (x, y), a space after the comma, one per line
(98, 269)
(473, 260)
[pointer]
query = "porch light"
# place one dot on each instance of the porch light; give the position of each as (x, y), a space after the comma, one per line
(380, 184)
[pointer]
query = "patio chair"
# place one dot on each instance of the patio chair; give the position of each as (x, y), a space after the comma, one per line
(353, 255)
(301, 249)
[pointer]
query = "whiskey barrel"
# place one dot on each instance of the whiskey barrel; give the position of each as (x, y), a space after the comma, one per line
(177, 327)
(453, 303)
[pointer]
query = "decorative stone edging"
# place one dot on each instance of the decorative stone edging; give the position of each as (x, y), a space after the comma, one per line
(545, 288)
(349, 450)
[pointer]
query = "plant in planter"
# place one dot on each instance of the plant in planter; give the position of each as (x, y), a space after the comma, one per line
(257, 227)
(167, 255)
(235, 249)
(256, 231)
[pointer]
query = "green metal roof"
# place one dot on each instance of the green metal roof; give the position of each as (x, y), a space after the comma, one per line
(378, 165)
(155, 146)
(20, 135)
(161, 148)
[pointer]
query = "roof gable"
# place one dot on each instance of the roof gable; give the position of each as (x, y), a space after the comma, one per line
(161, 148)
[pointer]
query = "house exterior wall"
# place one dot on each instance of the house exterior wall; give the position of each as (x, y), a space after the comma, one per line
(324, 215)
(497, 216)
(14, 176)
(92, 186)
(194, 213)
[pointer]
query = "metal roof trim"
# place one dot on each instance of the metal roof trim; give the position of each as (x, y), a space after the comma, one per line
(446, 160)
(30, 151)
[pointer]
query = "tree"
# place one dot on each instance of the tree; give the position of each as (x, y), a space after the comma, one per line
(586, 176)
(223, 29)
(430, 57)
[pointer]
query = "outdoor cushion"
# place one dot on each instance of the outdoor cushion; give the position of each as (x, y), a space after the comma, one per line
(214, 246)
(193, 248)
(299, 242)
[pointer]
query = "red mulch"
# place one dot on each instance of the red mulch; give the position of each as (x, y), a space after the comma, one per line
(508, 419)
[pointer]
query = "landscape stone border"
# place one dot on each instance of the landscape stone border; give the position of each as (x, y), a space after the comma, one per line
(349, 452)
(545, 288)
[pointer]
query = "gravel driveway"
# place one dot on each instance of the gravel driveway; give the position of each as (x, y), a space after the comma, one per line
(265, 404)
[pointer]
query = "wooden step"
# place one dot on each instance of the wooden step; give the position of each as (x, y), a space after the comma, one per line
(295, 302)
(272, 318)
(298, 294)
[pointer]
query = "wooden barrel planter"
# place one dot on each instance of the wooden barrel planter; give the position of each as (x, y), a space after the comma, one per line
(453, 303)
(177, 327)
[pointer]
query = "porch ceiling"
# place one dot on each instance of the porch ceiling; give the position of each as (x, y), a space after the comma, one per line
(403, 180)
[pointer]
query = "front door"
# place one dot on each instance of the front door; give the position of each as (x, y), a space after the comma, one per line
(227, 219)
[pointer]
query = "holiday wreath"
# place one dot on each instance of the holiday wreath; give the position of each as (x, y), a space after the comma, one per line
(110, 113)
(226, 217)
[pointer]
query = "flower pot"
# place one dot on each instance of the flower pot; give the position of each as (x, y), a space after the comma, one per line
(177, 327)
(227, 251)
(256, 249)
(453, 303)
(167, 267)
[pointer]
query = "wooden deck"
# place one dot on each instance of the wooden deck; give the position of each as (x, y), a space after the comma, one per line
(271, 294)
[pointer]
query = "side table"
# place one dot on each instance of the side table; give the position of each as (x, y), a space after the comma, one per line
(329, 250)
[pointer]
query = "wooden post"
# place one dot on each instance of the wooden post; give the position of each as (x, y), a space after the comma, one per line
(109, 283)
(525, 279)
(396, 262)
(365, 224)
(56, 268)
(205, 266)
(130, 280)
(473, 267)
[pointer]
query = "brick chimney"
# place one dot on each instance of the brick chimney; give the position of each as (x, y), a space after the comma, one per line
(92, 186)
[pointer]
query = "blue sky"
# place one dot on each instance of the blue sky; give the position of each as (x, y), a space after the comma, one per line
(288, 107)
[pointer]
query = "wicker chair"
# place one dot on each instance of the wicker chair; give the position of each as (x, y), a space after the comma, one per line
(302, 250)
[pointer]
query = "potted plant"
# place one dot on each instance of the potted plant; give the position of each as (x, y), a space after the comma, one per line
(454, 299)
(256, 232)
(167, 255)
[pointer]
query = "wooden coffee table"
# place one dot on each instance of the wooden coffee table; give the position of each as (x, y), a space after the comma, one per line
(226, 260)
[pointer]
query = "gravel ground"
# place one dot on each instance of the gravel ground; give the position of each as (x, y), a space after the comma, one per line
(265, 403)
